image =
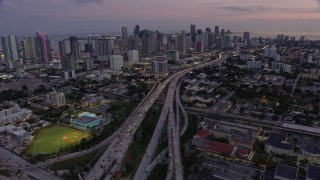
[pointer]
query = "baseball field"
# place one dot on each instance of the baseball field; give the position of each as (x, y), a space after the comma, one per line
(51, 140)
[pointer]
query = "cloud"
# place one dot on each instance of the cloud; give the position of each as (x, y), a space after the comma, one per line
(238, 9)
(87, 1)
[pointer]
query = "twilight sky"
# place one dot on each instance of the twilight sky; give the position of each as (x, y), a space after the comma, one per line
(24, 17)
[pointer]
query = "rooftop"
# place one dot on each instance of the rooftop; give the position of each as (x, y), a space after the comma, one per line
(312, 149)
(242, 138)
(17, 131)
(85, 119)
(202, 133)
(313, 172)
(278, 140)
(219, 148)
(286, 171)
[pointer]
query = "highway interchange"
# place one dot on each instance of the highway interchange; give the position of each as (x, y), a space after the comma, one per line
(110, 161)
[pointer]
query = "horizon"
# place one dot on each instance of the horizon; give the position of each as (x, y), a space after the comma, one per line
(81, 16)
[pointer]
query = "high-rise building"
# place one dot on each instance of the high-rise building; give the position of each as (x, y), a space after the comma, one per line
(10, 48)
(124, 37)
(160, 65)
(56, 98)
(74, 47)
(222, 32)
(133, 56)
(88, 64)
(88, 47)
(89, 39)
(96, 38)
(62, 48)
(217, 30)
(227, 41)
(68, 67)
(116, 62)
(105, 47)
(136, 30)
(134, 43)
(44, 47)
(199, 43)
(182, 43)
(172, 55)
(188, 41)
(147, 42)
(238, 50)
(29, 48)
(193, 33)
(246, 37)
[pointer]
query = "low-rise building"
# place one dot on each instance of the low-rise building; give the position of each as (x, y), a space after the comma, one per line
(14, 114)
(285, 172)
(87, 121)
(313, 172)
(277, 143)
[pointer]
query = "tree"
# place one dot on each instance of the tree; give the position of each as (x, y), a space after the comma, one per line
(25, 87)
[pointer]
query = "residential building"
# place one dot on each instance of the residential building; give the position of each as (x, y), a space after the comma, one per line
(10, 48)
(160, 65)
(116, 62)
(14, 114)
(56, 98)
(29, 48)
(133, 56)
(68, 67)
(44, 47)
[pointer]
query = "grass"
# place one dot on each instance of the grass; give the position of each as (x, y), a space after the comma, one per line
(5, 172)
(141, 140)
(55, 139)
(81, 161)
(159, 172)
(191, 129)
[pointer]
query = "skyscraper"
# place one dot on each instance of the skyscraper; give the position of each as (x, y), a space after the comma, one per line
(105, 47)
(62, 48)
(89, 39)
(74, 47)
(246, 37)
(217, 30)
(182, 43)
(10, 48)
(96, 37)
(68, 67)
(44, 46)
(193, 32)
(29, 48)
(124, 37)
(136, 30)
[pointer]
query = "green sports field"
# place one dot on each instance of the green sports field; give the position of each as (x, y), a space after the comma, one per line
(51, 140)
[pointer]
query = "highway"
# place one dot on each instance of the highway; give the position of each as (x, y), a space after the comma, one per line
(28, 168)
(111, 159)
(175, 170)
(175, 166)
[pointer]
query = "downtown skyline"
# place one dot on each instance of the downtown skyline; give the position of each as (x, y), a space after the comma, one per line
(83, 16)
